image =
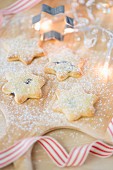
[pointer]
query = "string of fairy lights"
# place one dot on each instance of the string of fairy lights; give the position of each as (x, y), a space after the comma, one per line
(90, 24)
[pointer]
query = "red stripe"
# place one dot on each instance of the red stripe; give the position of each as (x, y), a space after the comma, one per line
(110, 131)
(49, 153)
(76, 157)
(70, 156)
(58, 147)
(22, 7)
(15, 9)
(27, 7)
(13, 5)
(9, 148)
(97, 153)
(24, 148)
(54, 150)
(15, 157)
(100, 149)
(83, 155)
(11, 153)
(106, 146)
(112, 122)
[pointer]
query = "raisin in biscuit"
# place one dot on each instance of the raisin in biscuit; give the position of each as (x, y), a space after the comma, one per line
(64, 67)
(23, 86)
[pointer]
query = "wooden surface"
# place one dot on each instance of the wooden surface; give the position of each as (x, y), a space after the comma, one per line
(5, 3)
(69, 138)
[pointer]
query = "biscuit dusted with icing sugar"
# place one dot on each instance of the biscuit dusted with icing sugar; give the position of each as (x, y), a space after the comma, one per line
(23, 86)
(75, 103)
(64, 67)
(23, 49)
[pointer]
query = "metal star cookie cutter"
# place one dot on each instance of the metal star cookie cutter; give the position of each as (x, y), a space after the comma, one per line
(52, 35)
(47, 9)
(56, 35)
(69, 23)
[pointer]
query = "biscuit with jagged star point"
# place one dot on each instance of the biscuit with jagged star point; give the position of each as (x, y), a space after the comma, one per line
(23, 49)
(23, 86)
(75, 103)
(64, 67)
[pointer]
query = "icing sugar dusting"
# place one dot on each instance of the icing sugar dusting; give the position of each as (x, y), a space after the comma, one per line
(37, 115)
(22, 48)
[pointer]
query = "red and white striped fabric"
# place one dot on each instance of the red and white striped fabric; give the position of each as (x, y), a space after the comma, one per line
(110, 129)
(17, 7)
(56, 152)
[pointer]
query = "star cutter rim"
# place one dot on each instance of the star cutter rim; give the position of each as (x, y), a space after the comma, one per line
(69, 22)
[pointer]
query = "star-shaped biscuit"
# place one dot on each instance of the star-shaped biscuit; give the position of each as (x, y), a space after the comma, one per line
(23, 49)
(75, 103)
(64, 67)
(23, 86)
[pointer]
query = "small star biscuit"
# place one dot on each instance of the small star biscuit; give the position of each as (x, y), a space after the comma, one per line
(63, 68)
(23, 49)
(75, 103)
(23, 86)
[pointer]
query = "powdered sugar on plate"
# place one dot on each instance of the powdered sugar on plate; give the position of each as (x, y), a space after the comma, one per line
(37, 116)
